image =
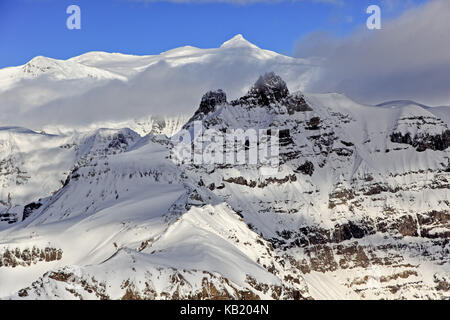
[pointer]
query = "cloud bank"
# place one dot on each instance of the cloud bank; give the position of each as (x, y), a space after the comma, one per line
(408, 59)
(166, 88)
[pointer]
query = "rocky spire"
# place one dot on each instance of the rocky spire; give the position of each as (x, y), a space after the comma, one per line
(209, 102)
(269, 88)
(211, 99)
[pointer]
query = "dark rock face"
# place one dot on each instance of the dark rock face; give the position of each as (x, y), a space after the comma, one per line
(29, 208)
(269, 88)
(351, 230)
(343, 152)
(404, 225)
(119, 141)
(315, 235)
(17, 257)
(8, 217)
(397, 137)
(307, 168)
(347, 144)
(434, 217)
(426, 226)
(212, 99)
(340, 197)
(262, 184)
(208, 104)
(296, 103)
(438, 142)
(377, 188)
(313, 124)
(285, 137)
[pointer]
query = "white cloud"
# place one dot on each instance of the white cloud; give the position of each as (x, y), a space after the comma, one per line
(408, 59)
(172, 86)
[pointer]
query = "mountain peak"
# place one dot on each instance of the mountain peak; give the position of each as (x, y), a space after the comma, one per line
(212, 99)
(41, 61)
(39, 65)
(270, 86)
(237, 41)
(271, 80)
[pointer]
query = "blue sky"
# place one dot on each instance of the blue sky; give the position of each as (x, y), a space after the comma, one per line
(30, 28)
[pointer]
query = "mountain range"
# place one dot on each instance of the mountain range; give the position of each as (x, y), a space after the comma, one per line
(92, 205)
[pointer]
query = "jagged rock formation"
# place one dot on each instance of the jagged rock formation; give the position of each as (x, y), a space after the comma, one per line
(433, 142)
(270, 89)
(209, 102)
(26, 257)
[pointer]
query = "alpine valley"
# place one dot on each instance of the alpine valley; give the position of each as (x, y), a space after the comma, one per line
(358, 208)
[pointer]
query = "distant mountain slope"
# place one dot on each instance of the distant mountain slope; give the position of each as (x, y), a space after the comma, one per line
(442, 112)
(34, 165)
(52, 69)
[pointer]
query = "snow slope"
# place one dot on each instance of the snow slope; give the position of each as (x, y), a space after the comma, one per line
(34, 165)
(155, 231)
(53, 69)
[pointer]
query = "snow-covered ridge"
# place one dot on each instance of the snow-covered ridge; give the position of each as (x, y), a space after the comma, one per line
(400, 103)
(45, 92)
(442, 112)
(53, 69)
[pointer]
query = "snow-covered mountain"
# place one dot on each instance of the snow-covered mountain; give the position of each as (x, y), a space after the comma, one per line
(53, 69)
(34, 165)
(99, 88)
(357, 208)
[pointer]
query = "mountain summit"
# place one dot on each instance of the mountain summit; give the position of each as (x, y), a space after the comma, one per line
(238, 41)
(271, 87)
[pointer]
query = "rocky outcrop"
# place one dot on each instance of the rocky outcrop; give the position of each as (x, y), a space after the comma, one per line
(26, 257)
(118, 142)
(307, 168)
(9, 217)
(180, 285)
(423, 142)
(208, 104)
(313, 124)
(296, 103)
(29, 208)
(271, 90)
